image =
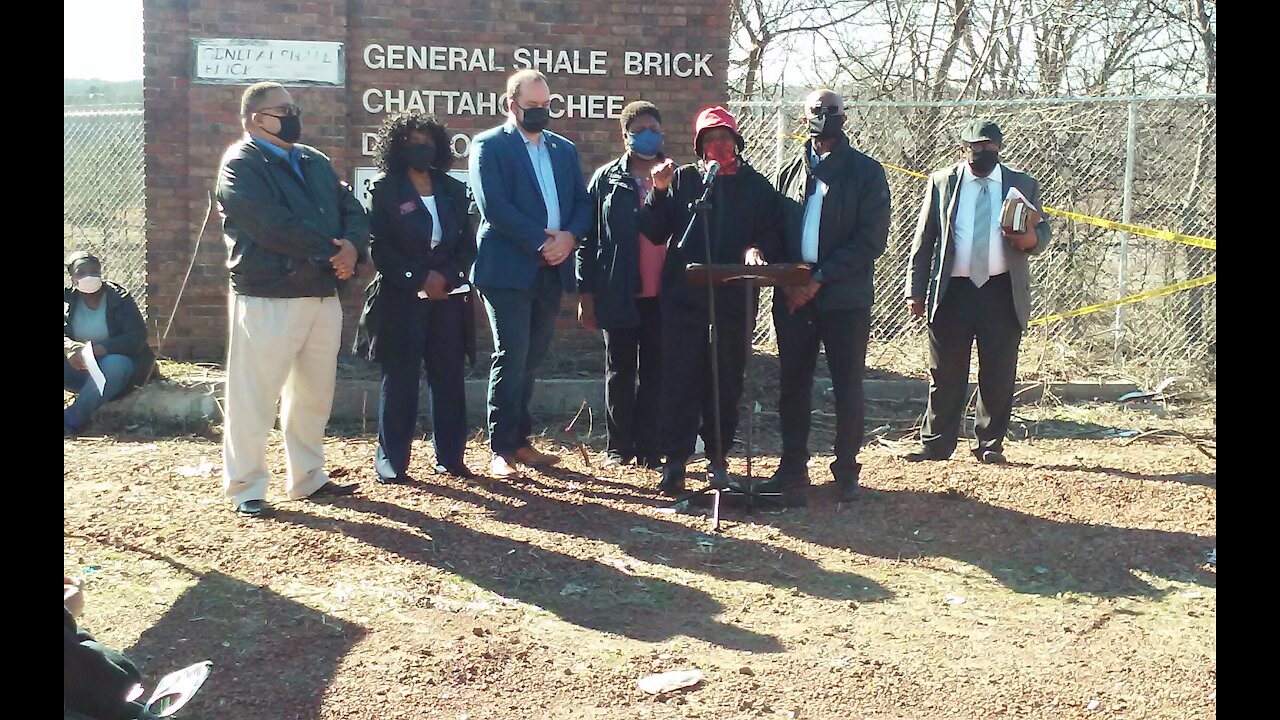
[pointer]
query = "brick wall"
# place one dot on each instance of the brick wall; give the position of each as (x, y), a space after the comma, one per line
(189, 124)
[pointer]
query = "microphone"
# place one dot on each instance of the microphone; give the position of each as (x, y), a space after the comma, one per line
(712, 170)
(708, 179)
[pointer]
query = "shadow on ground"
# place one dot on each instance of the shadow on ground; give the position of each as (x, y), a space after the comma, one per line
(610, 600)
(1024, 552)
(246, 631)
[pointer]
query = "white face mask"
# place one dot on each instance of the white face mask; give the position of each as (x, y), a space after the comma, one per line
(89, 284)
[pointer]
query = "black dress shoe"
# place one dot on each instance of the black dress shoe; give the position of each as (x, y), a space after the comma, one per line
(992, 457)
(332, 489)
(720, 477)
(397, 480)
(251, 508)
(784, 479)
(459, 471)
(650, 462)
(847, 488)
(923, 455)
(672, 479)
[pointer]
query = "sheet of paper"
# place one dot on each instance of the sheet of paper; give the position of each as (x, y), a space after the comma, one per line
(177, 688)
(91, 364)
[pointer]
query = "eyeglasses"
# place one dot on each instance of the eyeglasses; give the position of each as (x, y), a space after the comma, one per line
(290, 110)
(820, 110)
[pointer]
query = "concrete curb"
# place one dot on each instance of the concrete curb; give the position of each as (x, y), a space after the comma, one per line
(354, 400)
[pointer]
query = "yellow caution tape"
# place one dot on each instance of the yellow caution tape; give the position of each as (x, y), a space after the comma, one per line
(1193, 240)
(905, 171)
(1127, 300)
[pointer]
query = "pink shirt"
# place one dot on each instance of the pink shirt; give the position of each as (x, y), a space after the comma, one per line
(651, 256)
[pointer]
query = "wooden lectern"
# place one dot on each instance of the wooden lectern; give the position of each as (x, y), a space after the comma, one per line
(749, 277)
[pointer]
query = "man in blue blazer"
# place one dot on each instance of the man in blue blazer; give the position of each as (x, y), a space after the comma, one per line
(527, 183)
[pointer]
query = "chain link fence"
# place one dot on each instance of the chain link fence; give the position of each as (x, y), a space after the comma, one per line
(1148, 162)
(102, 191)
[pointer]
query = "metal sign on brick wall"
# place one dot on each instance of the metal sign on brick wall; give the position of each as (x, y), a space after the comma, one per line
(240, 61)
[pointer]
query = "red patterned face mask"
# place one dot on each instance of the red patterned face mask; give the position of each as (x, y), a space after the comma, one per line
(724, 152)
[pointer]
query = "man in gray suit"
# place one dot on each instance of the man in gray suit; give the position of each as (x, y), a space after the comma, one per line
(968, 277)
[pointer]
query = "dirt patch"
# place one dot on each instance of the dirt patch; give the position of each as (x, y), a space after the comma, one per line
(1070, 583)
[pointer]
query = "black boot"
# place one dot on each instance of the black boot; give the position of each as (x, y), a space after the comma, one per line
(847, 484)
(672, 479)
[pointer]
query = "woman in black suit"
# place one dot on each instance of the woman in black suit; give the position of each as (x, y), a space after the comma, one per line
(423, 247)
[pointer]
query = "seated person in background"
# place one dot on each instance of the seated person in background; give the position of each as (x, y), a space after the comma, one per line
(95, 679)
(104, 315)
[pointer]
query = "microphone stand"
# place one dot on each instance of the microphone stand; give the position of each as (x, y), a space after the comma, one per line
(701, 207)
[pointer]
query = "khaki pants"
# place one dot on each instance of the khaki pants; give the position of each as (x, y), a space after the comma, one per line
(279, 344)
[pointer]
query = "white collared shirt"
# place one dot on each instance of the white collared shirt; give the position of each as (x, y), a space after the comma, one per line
(437, 233)
(813, 214)
(963, 234)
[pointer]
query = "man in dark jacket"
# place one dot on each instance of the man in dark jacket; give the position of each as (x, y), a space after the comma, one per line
(103, 316)
(293, 231)
(837, 222)
(744, 225)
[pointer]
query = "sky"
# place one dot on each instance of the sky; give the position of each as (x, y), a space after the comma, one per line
(102, 39)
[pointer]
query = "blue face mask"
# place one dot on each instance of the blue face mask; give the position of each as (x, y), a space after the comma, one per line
(645, 143)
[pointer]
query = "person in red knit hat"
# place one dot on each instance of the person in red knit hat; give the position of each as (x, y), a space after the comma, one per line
(745, 226)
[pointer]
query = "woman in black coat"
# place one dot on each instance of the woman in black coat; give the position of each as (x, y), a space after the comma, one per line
(422, 246)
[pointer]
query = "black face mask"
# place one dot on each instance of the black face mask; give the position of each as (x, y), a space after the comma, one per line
(984, 161)
(290, 128)
(534, 119)
(421, 156)
(825, 127)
